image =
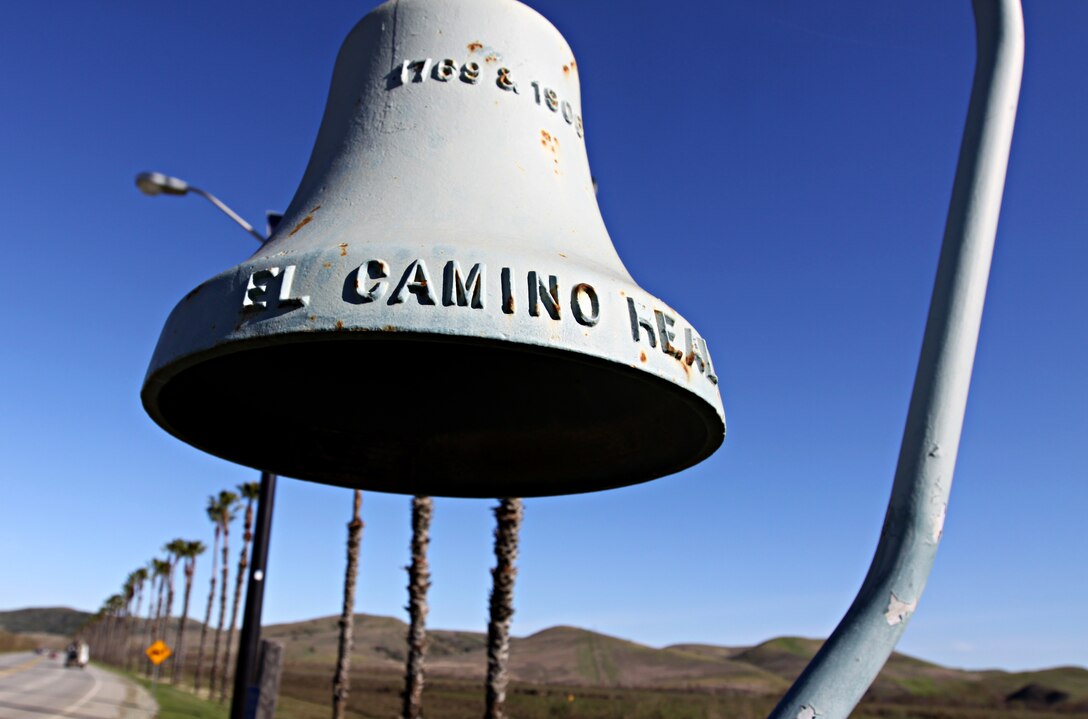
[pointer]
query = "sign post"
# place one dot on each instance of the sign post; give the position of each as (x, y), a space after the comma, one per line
(157, 653)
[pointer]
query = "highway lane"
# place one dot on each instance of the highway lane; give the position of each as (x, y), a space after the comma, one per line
(35, 686)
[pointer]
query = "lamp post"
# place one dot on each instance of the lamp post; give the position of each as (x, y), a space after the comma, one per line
(156, 183)
(244, 697)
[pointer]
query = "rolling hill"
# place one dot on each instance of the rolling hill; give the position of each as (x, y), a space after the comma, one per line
(573, 657)
(570, 657)
(61, 621)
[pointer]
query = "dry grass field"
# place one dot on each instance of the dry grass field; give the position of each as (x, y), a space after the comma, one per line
(571, 672)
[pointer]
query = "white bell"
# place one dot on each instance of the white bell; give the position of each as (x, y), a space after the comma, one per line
(441, 310)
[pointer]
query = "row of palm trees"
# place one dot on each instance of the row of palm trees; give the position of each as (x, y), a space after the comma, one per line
(115, 630)
(114, 627)
(117, 624)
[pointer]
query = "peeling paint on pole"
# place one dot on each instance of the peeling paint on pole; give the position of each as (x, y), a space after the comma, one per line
(898, 610)
(850, 660)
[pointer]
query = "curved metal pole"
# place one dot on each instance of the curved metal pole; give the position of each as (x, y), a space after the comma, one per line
(850, 660)
(228, 212)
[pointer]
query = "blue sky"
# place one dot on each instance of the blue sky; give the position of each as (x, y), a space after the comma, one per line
(777, 171)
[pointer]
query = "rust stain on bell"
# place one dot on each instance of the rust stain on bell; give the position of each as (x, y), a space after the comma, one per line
(551, 143)
(475, 46)
(305, 220)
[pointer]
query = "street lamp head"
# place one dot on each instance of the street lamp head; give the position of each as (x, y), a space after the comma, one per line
(156, 183)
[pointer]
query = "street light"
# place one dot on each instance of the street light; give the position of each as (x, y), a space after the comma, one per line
(245, 673)
(156, 183)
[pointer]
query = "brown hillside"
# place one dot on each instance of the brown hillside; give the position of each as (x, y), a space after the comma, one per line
(574, 657)
(580, 657)
(785, 656)
(560, 655)
(62, 621)
(711, 651)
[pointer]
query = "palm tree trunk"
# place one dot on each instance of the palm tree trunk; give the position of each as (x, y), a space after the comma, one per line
(122, 626)
(207, 615)
(215, 674)
(130, 627)
(179, 644)
(158, 607)
(419, 581)
(243, 562)
(139, 603)
(158, 617)
(340, 680)
(113, 621)
(107, 654)
(508, 521)
(150, 626)
(169, 606)
(133, 623)
(122, 637)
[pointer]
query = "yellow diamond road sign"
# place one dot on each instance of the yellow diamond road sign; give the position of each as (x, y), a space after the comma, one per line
(158, 652)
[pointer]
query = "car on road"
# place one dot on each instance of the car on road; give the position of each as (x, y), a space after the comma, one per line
(78, 654)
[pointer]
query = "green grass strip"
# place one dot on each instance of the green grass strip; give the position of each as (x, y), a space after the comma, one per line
(175, 703)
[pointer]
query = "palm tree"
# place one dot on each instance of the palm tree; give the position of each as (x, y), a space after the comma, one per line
(173, 551)
(228, 509)
(94, 627)
(140, 576)
(189, 552)
(129, 593)
(249, 492)
(113, 606)
(508, 521)
(340, 680)
(213, 513)
(166, 593)
(419, 581)
(159, 570)
(149, 626)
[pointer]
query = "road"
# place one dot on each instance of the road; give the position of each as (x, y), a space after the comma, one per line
(35, 687)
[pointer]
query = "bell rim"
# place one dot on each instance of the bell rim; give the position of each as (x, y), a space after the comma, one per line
(712, 416)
